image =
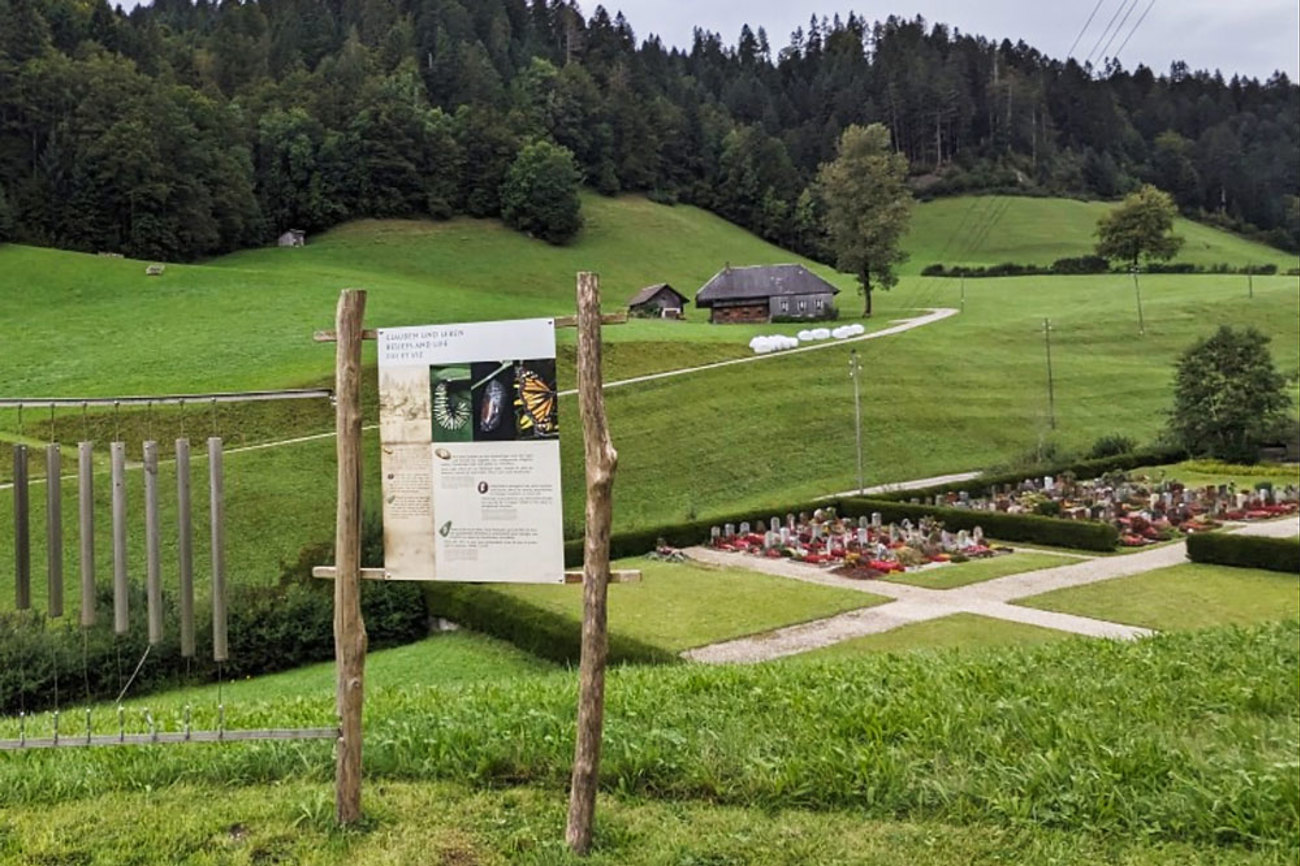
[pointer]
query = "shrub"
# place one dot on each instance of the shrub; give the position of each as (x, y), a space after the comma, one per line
(1245, 551)
(1080, 265)
(1112, 445)
(1077, 534)
(539, 195)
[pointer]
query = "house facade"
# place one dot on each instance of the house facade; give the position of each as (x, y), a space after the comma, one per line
(761, 293)
(658, 301)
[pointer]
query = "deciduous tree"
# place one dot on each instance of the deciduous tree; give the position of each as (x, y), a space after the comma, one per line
(540, 193)
(1228, 396)
(1140, 227)
(868, 207)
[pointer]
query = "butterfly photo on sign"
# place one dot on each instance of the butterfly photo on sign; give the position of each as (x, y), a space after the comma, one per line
(536, 399)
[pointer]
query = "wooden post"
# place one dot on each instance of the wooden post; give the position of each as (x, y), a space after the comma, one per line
(54, 529)
(86, 514)
(349, 629)
(152, 545)
(22, 532)
(185, 546)
(601, 459)
(121, 620)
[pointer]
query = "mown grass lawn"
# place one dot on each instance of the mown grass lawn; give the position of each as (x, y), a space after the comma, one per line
(957, 631)
(1060, 738)
(677, 606)
(966, 573)
(1193, 595)
(420, 823)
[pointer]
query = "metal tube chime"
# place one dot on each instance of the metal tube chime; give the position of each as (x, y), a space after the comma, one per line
(86, 512)
(54, 529)
(22, 532)
(215, 488)
(153, 545)
(121, 623)
(185, 546)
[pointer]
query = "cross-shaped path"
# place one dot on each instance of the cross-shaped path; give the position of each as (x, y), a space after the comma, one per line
(916, 604)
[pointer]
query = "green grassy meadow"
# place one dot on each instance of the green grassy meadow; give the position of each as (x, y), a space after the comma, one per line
(1193, 595)
(966, 573)
(677, 606)
(1181, 745)
(964, 631)
(1039, 231)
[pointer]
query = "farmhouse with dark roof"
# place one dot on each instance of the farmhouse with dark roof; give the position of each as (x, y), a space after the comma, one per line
(763, 292)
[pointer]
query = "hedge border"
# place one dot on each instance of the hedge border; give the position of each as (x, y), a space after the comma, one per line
(1090, 467)
(1245, 551)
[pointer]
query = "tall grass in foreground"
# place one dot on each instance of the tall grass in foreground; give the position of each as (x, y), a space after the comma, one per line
(1190, 737)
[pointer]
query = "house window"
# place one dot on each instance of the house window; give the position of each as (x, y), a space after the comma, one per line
(821, 304)
(785, 305)
(803, 305)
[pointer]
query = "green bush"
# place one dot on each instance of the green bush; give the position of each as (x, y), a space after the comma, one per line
(541, 632)
(1245, 551)
(1112, 445)
(1076, 534)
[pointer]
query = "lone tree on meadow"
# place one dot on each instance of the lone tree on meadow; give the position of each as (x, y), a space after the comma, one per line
(868, 207)
(1140, 227)
(1228, 397)
(539, 195)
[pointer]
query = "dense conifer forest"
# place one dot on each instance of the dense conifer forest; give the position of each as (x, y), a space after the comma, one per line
(184, 129)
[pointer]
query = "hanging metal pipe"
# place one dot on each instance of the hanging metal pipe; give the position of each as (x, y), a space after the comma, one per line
(121, 622)
(54, 530)
(86, 513)
(185, 546)
(22, 532)
(216, 484)
(153, 544)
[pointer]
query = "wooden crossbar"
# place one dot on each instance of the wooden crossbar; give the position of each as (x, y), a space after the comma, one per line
(626, 575)
(619, 318)
(74, 741)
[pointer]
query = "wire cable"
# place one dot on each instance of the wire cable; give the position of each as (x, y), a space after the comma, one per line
(1122, 21)
(1143, 17)
(1084, 29)
(1104, 33)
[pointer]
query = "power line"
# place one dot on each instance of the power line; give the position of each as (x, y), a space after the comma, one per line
(1075, 44)
(1109, 24)
(1120, 50)
(1118, 28)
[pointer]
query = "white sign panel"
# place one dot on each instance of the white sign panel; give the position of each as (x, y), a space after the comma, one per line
(469, 426)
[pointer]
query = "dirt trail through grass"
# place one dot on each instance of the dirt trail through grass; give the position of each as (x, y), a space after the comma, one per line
(992, 598)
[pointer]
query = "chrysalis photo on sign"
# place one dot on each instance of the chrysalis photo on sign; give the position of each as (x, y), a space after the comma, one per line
(471, 452)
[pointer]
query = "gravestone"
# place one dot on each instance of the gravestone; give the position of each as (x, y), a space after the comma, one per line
(876, 520)
(963, 540)
(977, 535)
(744, 527)
(785, 536)
(729, 530)
(714, 533)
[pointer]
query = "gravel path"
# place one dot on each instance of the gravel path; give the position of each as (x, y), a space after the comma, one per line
(916, 604)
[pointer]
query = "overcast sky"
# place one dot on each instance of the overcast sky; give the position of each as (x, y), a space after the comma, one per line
(1253, 37)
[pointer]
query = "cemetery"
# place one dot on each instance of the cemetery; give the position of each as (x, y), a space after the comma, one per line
(863, 548)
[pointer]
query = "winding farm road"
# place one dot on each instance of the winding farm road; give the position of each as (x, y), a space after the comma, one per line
(992, 598)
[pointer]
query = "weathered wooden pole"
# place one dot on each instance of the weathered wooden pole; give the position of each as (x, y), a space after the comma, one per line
(349, 629)
(121, 620)
(601, 459)
(86, 522)
(217, 522)
(152, 545)
(22, 531)
(185, 546)
(54, 530)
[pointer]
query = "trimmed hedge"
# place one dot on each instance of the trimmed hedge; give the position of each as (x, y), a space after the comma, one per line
(541, 632)
(1245, 551)
(1076, 534)
(1084, 468)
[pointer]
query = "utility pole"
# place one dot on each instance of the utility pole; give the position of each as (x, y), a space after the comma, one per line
(1051, 387)
(855, 373)
(1137, 290)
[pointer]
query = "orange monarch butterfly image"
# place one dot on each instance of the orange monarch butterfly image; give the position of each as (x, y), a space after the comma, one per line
(535, 403)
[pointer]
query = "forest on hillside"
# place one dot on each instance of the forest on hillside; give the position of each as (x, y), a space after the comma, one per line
(184, 129)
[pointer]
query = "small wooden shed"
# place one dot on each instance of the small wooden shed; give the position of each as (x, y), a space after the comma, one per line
(660, 301)
(293, 238)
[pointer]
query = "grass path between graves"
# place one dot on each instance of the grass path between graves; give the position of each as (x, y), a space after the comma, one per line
(1117, 614)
